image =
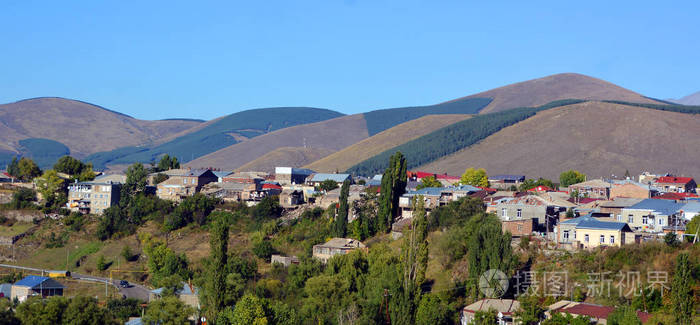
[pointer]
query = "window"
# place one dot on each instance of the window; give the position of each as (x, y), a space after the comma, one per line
(661, 221)
(619, 217)
(612, 239)
(645, 220)
(504, 212)
(520, 213)
(520, 227)
(602, 239)
(574, 234)
(630, 219)
(566, 235)
(585, 238)
(184, 181)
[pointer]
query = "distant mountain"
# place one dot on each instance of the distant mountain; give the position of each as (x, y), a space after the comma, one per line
(692, 99)
(382, 141)
(541, 91)
(82, 127)
(597, 138)
(216, 134)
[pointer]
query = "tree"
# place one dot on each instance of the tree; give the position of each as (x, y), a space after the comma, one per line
(69, 165)
(671, 240)
(13, 168)
(627, 174)
(159, 178)
(328, 185)
(429, 181)
(167, 311)
(136, 179)
(84, 311)
(532, 183)
(101, 263)
(341, 221)
(566, 319)
(475, 177)
(571, 177)
(488, 248)
(167, 163)
(624, 315)
(215, 285)
(127, 254)
(693, 226)
(35, 311)
(49, 186)
(124, 308)
(250, 310)
(23, 199)
(392, 187)
(485, 317)
(263, 249)
(432, 310)
(28, 169)
(531, 311)
(682, 290)
(7, 315)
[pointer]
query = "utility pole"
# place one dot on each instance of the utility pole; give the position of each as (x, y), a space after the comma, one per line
(385, 304)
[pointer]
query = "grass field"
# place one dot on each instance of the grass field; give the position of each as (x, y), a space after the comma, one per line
(15, 229)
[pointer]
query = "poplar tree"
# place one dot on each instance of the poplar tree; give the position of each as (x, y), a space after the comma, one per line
(341, 221)
(682, 291)
(216, 281)
(393, 186)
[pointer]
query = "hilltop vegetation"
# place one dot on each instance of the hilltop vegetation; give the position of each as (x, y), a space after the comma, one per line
(452, 138)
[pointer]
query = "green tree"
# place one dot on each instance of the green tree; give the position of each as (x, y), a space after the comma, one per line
(624, 315)
(429, 181)
(215, 285)
(159, 178)
(488, 248)
(7, 315)
(566, 319)
(324, 294)
(693, 226)
(101, 263)
(74, 167)
(23, 198)
(249, 310)
(35, 311)
(49, 185)
(167, 311)
(531, 311)
(163, 264)
(571, 177)
(432, 310)
(682, 290)
(263, 249)
(122, 309)
(392, 187)
(127, 254)
(671, 240)
(341, 221)
(28, 169)
(84, 311)
(328, 185)
(485, 317)
(475, 177)
(167, 163)
(13, 168)
(136, 179)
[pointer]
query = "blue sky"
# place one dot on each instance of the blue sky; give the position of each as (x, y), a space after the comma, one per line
(204, 59)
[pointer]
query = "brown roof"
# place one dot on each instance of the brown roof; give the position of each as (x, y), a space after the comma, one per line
(593, 311)
(505, 306)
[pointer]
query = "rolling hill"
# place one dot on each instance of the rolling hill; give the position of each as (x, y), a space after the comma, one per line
(285, 156)
(692, 99)
(597, 138)
(82, 127)
(382, 141)
(541, 91)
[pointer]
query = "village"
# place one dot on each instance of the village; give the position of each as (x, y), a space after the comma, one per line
(584, 214)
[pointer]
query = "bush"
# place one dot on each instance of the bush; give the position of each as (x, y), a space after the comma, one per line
(101, 263)
(263, 249)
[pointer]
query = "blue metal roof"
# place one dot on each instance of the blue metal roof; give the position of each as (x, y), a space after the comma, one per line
(504, 177)
(34, 281)
(338, 178)
(436, 191)
(222, 174)
(588, 222)
(663, 207)
(691, 207)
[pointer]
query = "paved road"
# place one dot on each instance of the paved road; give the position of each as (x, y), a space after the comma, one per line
(133, 291)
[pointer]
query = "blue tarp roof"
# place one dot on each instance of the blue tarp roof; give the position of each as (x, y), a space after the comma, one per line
(504, 177)
(135, 321)
(436, 191)
(222, 174)
(34, 281)
(663, 207)
(338, 178)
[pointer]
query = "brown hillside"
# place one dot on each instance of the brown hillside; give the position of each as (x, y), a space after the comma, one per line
(285, 156)
(380, 142)
(333, 135)
(596, 138)
(541, 91)
(83, 127)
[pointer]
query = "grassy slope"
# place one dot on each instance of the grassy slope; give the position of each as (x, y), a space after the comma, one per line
(540, 91)
(83, 127)
(333, 134)
(285, 156)
(223, 132)
(595, 138)
(382, 141)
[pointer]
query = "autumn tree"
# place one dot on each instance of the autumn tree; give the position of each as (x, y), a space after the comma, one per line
(429, 181)
(475, 177)
(571, 177)
(27, 169)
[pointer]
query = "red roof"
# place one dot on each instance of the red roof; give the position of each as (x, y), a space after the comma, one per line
(421, 175)
(271, 186)
(590, 310)
(674, 180)
(670, 196)
(488, 189)
(541, 188)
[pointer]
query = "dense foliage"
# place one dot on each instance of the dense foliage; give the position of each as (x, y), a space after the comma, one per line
(392, 187)
(475, 177)
(429, 181)
(75, 168)
(571, 177)
(45, 152)
(452, 138)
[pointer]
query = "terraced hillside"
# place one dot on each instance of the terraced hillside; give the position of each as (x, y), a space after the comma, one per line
(382, 141)
(596, 138)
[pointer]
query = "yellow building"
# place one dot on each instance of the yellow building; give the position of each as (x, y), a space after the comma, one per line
(588, 232)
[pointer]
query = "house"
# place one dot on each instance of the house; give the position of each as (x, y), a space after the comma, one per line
(110, 178)
(631, 189)
(187, 293)
(289, 175)
(434, 197)
(444, 179)
(245, 178)
(589, 232)
(690, 210)
(271, 189)
(284, 260)
(519, 228)
(221, 175)
(93, 197)
(232, 192)
(649, 178)
(652, 215)
(336, 246)
(614, 207)
(318, 178)
(184, 183)
(6, 178)
(675, 184)
(596, 313)
(505, 309)
(33, 285)
(595, 188)
(505, 181)
(540, 209)
(291, 198)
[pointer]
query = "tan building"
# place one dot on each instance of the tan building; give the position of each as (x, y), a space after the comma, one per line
(505, 309)
(93, 197)
(336, 246)
(595, 189)
(630, 190)
(588, 232)
(614, 207)
(653, 215)
(519, 228)
(187, 293)
(33, 285)
(184, 183)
